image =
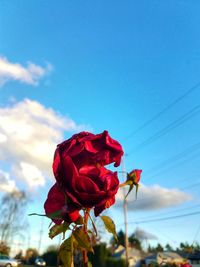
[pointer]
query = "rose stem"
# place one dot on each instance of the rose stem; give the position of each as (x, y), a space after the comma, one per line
(84, 252)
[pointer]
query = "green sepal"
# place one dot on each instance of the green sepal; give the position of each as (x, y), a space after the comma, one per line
(110, 226)
(83, 239)
(58, 229)
(53, 215)
(65, 253)
(131, 182)
(79, 221)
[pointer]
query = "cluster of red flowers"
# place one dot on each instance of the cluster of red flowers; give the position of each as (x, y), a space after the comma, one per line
(82, 180)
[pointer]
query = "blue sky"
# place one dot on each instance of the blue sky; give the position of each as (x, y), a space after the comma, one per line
(73, 65)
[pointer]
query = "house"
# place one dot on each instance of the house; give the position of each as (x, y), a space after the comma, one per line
(194, 257)
(164, 257)
(169, 257)
(134, 255)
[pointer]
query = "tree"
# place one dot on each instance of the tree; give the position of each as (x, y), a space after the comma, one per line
(150, 249)
(100, 255)
(159, 248)
(31, 255)
(4, 249)
(134, 242)
(168, 247)
(121, 239)
(12, 207)
(50, 256)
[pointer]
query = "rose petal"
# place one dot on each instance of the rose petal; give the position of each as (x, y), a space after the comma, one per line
(56, 164)
(90, 200)
(86, 185)
(89, 170)
(99, 208)
(68, 173)
(55, 201)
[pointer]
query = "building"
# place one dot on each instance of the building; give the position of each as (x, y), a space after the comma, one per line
(134, 255)
(164, 257)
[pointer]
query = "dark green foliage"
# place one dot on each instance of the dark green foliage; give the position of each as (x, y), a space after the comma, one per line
(168, 247)
(134, 242)
(156, 249)
(31, 255)
(121, 239)
(111, 262)
(50, 257)
(159, 248)
(98, 259)
(4, 249)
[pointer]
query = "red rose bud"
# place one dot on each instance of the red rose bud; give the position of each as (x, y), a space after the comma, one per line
(135, 176)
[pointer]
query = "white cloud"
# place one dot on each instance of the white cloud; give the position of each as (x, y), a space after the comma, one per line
(153, 198)
(31, 74)
(6, 183)
(29, 133)
(30, 174)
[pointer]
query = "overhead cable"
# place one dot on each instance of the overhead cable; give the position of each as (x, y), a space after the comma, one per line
(167, 129)
(169, 106)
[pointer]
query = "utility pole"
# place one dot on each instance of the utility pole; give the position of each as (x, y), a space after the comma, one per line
(125, 208)
(40, 235)
(126, 228)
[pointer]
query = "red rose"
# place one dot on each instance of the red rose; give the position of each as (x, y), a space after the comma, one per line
(89, 186)
(186, 264)
(79, 169)
(90, 148)
(135, 174)
(56, 202)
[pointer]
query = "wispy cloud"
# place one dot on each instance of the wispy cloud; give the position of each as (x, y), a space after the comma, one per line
(153, 198)
(6, 183)
(30, 74)
(29, 133)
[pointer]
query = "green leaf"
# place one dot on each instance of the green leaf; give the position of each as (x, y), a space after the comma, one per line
(58, 229)
(110, 226)
(82, 239)
(65, 253)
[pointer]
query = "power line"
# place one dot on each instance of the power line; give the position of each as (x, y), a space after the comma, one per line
(192, 185)
(167, 218)
(166, 236)
(178, 156)
(168, 128)
(169, 212)
(174, 166)
(173, 103)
